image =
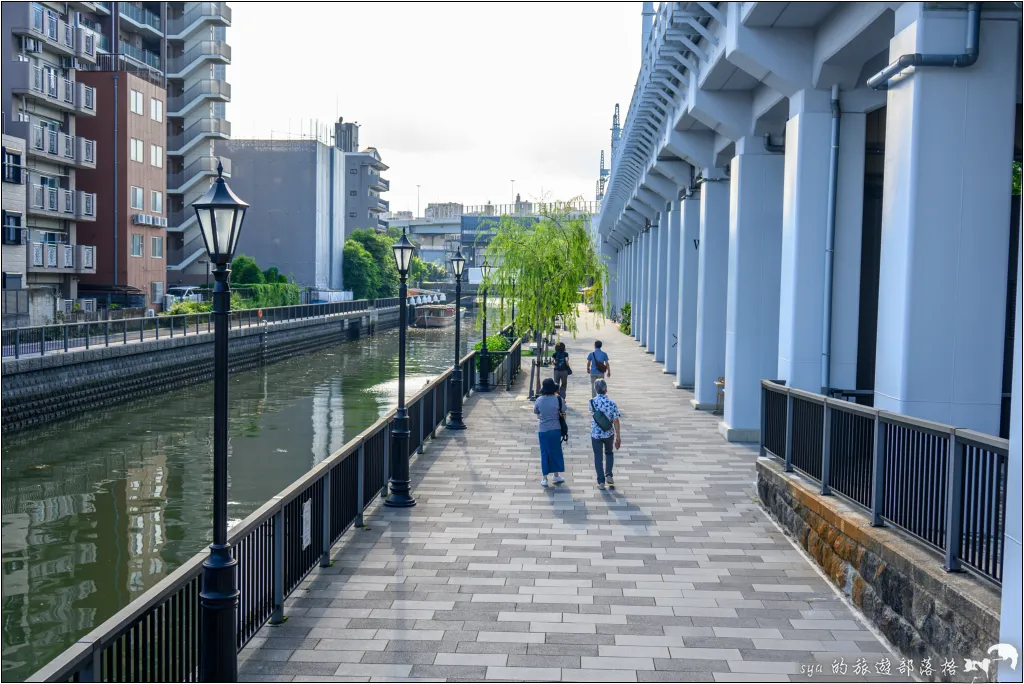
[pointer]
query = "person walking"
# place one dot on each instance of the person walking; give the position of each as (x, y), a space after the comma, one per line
(549, 408)
(605, 431)
(561, 373)
(598, 366)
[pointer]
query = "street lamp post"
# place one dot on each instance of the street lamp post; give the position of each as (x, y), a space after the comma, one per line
(485, 357)
(399, 496)
(220, 213)
(455, 420)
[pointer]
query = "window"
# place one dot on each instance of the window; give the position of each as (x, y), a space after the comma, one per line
(12, 167)
(138, 198)
(136, 245)
(156, 109)
(136, 148)
(156, 156)
(135, 102)
(353, 172)
(156, 202)
(12, 228)
(157, 247)
(351, 214)
(352, 193)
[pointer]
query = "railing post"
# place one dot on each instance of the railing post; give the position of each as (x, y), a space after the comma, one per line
(325, 544)
(387, 459)
(433, 418)
(124, 331)
(277, 616)
(142, 329)
(423, 433)
(87, 326)
(360, 486)
(878, 472)
(65, 339)
(17, 343)
(106, 334)
(789, 432)
(954, 503)
(826, 447)
(764, 400)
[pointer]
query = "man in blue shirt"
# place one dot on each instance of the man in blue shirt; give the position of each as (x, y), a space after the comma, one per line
(598, 366)
(604, 410)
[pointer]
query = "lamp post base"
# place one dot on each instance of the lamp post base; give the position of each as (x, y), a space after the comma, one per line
(455, 416)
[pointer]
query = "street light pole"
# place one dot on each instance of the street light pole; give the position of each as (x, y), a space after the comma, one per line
(398, 482)
(220, 214)
(455, 420)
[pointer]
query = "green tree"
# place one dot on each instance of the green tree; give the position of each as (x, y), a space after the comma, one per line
(272, 275)
(1016, 179)
(421, 271)
(379, 247)
(362, 276)
(245, 271)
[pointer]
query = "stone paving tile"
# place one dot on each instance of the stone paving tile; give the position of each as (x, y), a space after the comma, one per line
(676, 574)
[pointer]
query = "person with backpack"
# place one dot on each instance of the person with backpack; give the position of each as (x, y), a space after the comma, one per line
(605, 431)
(550, 411)
(562, 371)
(598, 366)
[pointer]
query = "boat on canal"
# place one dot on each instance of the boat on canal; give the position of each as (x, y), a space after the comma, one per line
(434, 316)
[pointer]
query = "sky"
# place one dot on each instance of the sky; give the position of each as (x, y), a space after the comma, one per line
(458, 98)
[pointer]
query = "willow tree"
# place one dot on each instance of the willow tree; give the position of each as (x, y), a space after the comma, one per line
(543, 266)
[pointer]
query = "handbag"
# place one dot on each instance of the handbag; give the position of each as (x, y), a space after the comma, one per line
(561, 421)
(601, 418)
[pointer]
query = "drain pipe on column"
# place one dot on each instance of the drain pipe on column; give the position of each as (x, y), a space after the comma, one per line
(830, 241)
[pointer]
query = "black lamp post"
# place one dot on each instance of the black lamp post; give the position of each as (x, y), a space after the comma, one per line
(485, 357)
(455, 420)
(220, 215)
(399, 496)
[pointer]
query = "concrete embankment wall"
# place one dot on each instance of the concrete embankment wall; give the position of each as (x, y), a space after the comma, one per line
(42, 389)
(898, 584)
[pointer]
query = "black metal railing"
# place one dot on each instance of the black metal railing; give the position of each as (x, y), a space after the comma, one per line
(157, 636)
(943, 485)
(62, 337)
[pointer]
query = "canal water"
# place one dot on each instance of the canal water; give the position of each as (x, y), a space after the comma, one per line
(100, 508)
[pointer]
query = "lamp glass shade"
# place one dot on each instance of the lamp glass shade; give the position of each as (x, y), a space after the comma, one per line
(220, 214)
(458, 264)
(485, 269)
(403, 254)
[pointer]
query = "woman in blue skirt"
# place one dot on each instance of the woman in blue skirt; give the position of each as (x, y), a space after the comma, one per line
(549, 432)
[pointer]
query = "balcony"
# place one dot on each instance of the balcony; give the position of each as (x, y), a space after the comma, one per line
(143, 56)
(58, 147)
(47, 87)
(378, 183)
(85, 45)
(51, 202)
(203, 129)
(207, 89)
(382, 206)
(85, 205)
(32, 20)
(203, 167)
(85, 100)
(207, 50)
(142, 19)
(202, 12)
(53, 257)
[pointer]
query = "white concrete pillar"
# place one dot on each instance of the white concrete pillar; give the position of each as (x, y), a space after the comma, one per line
(846, 263)
(804, 222)
(686, 318)
(945, 224)
(755, 260)
(641, 286)
(661, 290)
(672, 283)
(712, 282)
(1013, 558)
(650, 310)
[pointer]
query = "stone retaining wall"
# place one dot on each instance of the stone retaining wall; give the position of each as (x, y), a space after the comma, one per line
(896, 582)
(43, 389)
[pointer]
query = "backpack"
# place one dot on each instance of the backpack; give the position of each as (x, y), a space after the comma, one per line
(561, 421)
(562, 362)
(601, 418)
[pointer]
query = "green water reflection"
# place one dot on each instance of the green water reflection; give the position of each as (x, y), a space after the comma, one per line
(98, 509)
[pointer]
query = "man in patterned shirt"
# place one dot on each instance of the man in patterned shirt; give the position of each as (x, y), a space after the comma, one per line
(604, 430)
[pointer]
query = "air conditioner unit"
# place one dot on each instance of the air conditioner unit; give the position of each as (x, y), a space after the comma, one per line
(169, 301)
(158, 291)
(138, 218)
(33, 45)
(69, 63)
(163, 221)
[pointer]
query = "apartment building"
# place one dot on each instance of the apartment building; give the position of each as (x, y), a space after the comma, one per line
(364, 207)
(130, 182)
(15, 256)
(44, 49)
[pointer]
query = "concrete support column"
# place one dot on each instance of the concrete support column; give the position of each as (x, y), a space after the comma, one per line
(686, 319)
(635, 287)
(712, 282)
(651, 276)
(804, 224)
(1010, 622)
(672, 284)
(942, 275)
(661, 287)
(755, 260)
(641, 279)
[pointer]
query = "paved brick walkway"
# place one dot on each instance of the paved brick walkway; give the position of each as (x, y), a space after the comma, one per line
(675, 575)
